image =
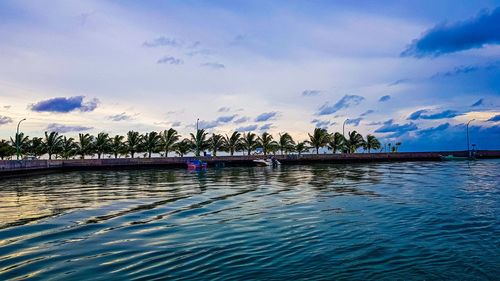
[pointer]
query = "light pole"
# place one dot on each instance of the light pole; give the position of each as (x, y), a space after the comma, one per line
(197, 148)
(17, 138)
(468, 148)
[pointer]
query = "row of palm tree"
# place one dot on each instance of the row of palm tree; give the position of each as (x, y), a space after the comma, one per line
(58, 146)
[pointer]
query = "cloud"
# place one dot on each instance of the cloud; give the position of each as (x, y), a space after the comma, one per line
(397, 82)
(310, 93)
(265, 116)
(432, 130)
(119, 117)
(420, 114)
(60, 128)
(214, 65)
(396, 129)
(345, 102)
(374, 123)
(322, 123)
(5, 120)
(265, 127)
(241, 120)
(354, 122)
(162, 41)
(463, 35)
(170, 60)
(176, 124)
(224, 109)
(248, 128)
(225, 119)
(478, 103)
(495, 118)
(64, 105)
(464, 69)
(384, 98)
(367, 112)
(207, 124)
(7, 106)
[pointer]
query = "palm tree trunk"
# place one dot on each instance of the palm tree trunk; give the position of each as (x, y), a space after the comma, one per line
(317, 150)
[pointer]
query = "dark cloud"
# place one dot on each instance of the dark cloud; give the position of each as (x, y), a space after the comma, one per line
(400, 81)
(207, 124)
(420, 114)
(384, 98)
(345, 102)
(162, 41)
(5, 120)
(354, 122)
(463, 35)
(310, 93)
(367, 112)
(464, 69)
(241, 120)
(7, 106)
(396, 130)
(374, 123)
(322, 123)
(120, 117)
(60, 128)
(266, 127)
(214, 65)
(248, 128)
(170, 60)
(266, 116)
(176, 124)
(432, 130)
(64, 105)
(225, 119)
(478, 103)
(495, 118)
(224, 109)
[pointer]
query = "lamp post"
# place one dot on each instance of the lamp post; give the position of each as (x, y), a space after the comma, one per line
(197, 148)
(17, 138)
(468, 148)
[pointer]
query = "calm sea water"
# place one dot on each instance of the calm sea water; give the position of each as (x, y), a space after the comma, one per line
(411, 221)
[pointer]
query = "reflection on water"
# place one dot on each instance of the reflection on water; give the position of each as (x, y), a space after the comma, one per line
(369, 221)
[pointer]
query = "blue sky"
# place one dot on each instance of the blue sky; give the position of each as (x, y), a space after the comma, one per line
(408, 71)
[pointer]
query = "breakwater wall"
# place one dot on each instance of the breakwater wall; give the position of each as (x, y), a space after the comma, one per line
(10, 168)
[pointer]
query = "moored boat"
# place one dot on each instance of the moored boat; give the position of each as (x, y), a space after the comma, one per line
(196, 165)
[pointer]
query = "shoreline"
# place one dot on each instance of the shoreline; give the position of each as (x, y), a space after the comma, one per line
(20, 168)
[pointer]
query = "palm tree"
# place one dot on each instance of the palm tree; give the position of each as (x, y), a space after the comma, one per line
(199, 141)
(397, 146)
(36, 147)
(301, 147)
(337, 142)
(249, 142)
(151, 142)
(285, 143)
(233, 142)
(6, 150)
(117, 146)
(20, 141)
(168, 139)
(266, 142)
(68, 147)
(183, 147)
(355, 141)
(372, 143)
(133, 143)
(85, 145)
(52, 143)
(319, 138)
(216, 143)
(102, 143)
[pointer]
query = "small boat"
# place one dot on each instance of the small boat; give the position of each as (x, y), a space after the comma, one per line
(266, 162)
(453, 158)
(196, 165)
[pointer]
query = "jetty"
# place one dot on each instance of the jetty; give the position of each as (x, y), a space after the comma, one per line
(14, 168)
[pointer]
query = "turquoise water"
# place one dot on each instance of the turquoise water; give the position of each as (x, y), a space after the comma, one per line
(411, 221)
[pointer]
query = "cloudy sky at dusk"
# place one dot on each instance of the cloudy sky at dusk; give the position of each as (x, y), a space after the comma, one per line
(409, 71)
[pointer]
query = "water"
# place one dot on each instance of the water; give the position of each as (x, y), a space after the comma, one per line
(411, 221)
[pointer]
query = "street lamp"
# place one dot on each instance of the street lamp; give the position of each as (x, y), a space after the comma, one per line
(17, 138)
(468, 148)
(343, 128)
(197, 148)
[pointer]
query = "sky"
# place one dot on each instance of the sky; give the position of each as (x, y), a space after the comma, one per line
(406, 71)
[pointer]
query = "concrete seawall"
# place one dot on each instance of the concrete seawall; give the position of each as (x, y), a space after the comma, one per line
(9, 168)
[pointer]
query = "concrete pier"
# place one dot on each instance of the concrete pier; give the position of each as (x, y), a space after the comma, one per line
(13, 168)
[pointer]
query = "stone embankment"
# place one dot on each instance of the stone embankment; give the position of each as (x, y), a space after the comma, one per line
(9, 168)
